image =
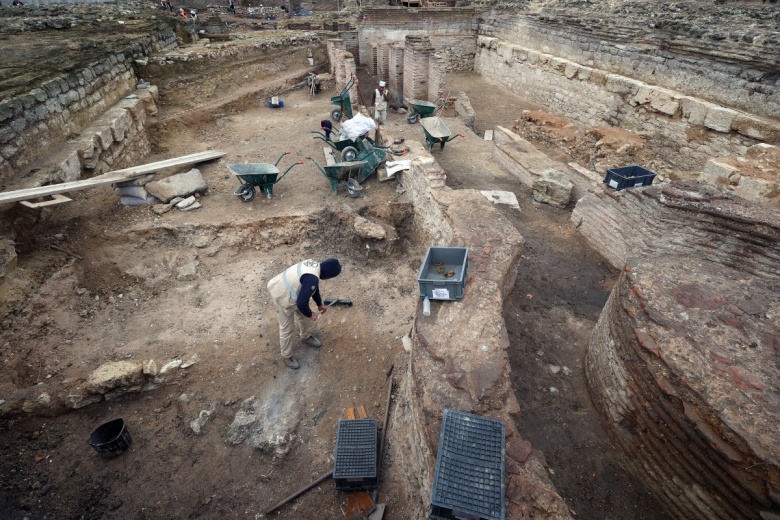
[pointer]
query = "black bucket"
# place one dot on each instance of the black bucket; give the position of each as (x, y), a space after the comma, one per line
(111, 439)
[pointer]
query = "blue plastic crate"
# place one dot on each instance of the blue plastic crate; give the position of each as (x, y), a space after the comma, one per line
(628, 177)
(469, 478)
(355, 463)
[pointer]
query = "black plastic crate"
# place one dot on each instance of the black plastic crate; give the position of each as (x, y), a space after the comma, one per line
(628, 177)
(469, 479)
(356, 458)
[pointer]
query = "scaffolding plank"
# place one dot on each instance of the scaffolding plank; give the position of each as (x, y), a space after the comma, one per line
(125, 174)
(55, 199)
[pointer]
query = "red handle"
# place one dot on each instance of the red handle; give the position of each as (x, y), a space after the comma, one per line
(299, 162)
(287, 153)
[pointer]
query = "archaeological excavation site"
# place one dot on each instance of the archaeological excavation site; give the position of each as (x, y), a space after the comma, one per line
(557, 231)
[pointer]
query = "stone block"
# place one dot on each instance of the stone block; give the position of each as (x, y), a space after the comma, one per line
(720, 118)
(618, 84)
(70, 168)
(179, 185)
(717, 172)
(571, 70)
(104, 137)
(559, 64)
(662, 100)
(113, 375)
(584, 73)
(553, 188)
(756, 127)
(694, 110)
(121, 124)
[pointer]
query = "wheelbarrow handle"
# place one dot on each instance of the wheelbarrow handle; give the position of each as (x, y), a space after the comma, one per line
(280, 157)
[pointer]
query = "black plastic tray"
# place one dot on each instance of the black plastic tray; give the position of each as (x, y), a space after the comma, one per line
(356, 455)
(469, 477)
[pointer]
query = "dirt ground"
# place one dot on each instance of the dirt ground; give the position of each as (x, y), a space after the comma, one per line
(133, 296)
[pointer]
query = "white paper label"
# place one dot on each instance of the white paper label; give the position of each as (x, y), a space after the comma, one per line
(442, 294)
(613, 183)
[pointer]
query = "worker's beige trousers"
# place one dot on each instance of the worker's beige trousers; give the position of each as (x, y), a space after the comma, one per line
(287, 316)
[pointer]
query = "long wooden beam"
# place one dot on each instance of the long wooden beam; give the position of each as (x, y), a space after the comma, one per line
(125, 174)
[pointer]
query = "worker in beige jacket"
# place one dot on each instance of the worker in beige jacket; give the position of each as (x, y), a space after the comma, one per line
(290, 293)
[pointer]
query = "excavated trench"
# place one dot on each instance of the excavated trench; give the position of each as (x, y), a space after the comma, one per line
(195, 293)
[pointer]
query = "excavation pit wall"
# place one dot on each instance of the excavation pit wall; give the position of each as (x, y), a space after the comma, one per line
(574, 75)
(682, 363)
(49, 114)
(458, 353)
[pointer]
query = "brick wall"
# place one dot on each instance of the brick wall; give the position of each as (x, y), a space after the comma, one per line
(451, 31)
(436, 73)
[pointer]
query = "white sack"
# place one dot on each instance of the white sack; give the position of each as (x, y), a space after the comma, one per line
(132, 191)
(136, 201)
(357, 126)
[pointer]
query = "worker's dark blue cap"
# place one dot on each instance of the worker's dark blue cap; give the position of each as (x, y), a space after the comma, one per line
(329, 268)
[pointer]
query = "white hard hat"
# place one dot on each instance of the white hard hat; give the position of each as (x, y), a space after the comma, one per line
(381, 83)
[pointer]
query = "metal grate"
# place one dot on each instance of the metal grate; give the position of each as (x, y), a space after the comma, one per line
(469, 478)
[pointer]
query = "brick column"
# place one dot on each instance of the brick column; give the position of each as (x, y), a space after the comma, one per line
(372, 51)
(416, 62)
(437, 71)
(334, 44)
(395, 71)
(383, 61)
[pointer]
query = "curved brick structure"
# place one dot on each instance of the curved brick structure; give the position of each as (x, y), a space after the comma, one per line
(683, 363)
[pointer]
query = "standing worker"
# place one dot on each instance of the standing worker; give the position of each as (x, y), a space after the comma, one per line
(290, 293)
(380, 104)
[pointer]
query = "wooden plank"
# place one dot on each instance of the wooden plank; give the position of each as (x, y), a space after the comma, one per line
(350, 413)
(55, 199)
(125, 174)
(329, 159)
(361, 412)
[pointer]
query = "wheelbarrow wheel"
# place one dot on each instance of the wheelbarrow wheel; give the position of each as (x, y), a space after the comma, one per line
(335, 114)
(353, 188)
(246, 193)
(349, 154)
(412, 118)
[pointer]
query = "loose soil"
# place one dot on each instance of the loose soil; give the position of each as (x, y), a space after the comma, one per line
(191, 286)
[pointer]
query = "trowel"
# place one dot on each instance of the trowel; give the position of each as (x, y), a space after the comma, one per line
(377, 513)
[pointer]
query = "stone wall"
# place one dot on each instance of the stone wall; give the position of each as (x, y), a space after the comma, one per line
(458, 354)
(46, 115)
(686, 128)
(451, 31)
(682, 363)
(727, 54)
(342, 66)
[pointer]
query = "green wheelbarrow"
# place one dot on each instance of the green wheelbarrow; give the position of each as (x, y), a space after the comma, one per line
(258, 175)
(343, 102)
(420, 109)
(348, 172)
(347, 148)
(437, 132)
